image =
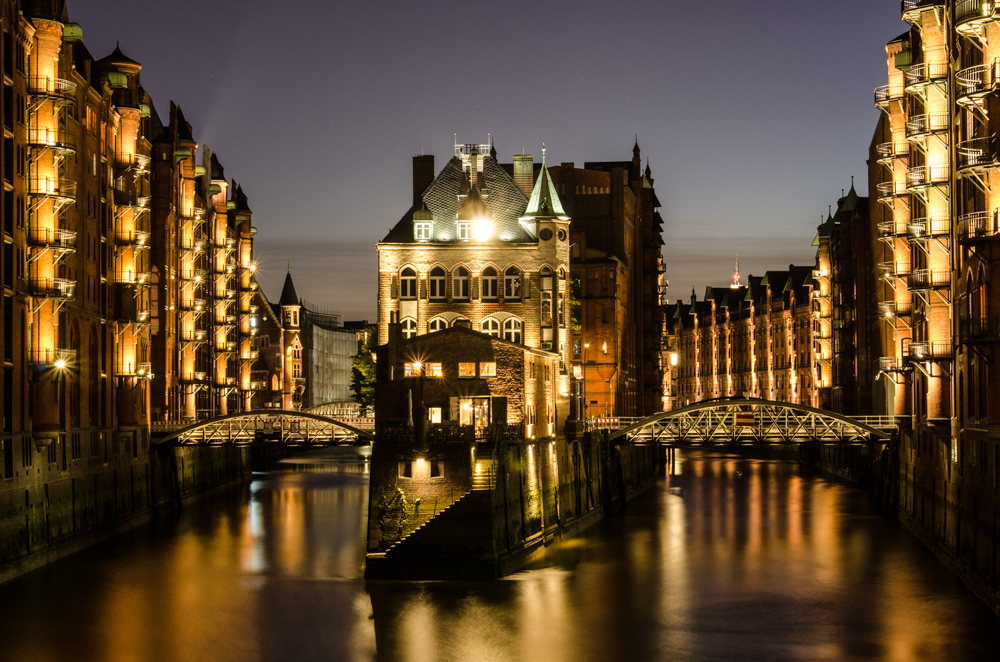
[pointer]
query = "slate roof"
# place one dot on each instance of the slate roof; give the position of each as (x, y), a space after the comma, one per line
(505, 201)
(288, 296)
(117, 57)
(544, 200)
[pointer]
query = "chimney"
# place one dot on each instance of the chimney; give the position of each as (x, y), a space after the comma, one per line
(473, 165)
(524, 172)
(423, 175)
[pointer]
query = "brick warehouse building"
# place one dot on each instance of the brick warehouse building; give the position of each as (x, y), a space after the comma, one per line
(127, 281)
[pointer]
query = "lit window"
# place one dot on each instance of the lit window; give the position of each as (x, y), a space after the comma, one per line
(512, 283)
(466, 369)
(460, 284)
(488, 369)
(434, 370)
(296, 370)
(422, 231)
(408, 284)
(412, 369)
(491, 327)
(437, 324)
(296, 352)
(437, 283)
(434, 415)
(546, 308)
(409, 327)
(465, 230)
(489, 283)
(512, 330)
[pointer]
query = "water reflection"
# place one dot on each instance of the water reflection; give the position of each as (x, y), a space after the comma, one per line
(730, 558)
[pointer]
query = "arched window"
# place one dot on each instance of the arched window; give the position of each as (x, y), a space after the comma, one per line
(437, 324)
(489, 283)
(460, 283)
(437, 283)
(512, 330)
(512, 283)
(409, 327)
(491, 327)
(408, 284)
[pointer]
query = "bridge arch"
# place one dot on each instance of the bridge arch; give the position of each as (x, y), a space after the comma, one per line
(243, 427)
(718, 421)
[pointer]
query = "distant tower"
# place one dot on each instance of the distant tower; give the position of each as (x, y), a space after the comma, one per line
(292, 379)
(736, 276)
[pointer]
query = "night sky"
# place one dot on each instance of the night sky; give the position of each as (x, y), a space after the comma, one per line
(754, 115)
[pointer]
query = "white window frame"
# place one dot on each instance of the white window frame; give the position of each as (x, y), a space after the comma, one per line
(436, 284)
(512, 283)
(437, 324)
(409, 327)
(408, 284)
(491, 327)
(489, 283)
(465, 230)
(460, 283)
(513, 330)
(423, 231)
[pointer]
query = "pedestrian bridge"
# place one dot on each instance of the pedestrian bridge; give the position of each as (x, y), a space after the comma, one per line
(747, 421)
(267, 426)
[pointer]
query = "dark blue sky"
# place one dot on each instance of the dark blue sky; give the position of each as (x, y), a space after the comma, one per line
(754, 114)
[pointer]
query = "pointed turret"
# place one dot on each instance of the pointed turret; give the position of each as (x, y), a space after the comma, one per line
(288, 296)
(183, 128)
(544, 200)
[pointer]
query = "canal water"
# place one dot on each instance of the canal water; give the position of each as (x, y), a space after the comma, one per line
(729, 559)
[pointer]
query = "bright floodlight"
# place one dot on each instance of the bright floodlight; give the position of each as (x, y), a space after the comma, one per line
(482, 229)
(60, 364)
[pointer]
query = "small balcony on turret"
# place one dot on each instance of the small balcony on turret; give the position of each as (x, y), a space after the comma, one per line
(893, 309)
(923, 280)
(134, 162)
(919, 76)
(131, 200)
(930, 351)
(893, 270)
(136, 278)
(889, 152)
(921, 229)
(59, 240)
(913, 9)
(889, 191)
(133, 239)
(920, 126)
(63, 92)
(53, 188)
(194, 245)
(40, 137)
(193, 275)
(52, 358)
(973, 84)
(886, 94)
(889, 230)
(193, 305)
(971, 16)
(892, 364)
(976, 154)
(975, 227)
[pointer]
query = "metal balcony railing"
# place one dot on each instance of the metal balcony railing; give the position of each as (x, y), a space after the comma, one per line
(891, 151)
(926, 175)
(928, 279)
(133, 238)
(52, 358)
(134, 315)
(975, 82)
(889, 190)
(920, 125)
(891, 229)
(193, 275)
(130, 369)
(890, 270)
(52, 288)
(891, 309)
(52, 88)
(911, 9)
(52, 187)
(193, 304)
(975, 225)
(139, 162)
(194, 245)
(892, 364)
(926, 72)
(930, 351)
(886, 93)
(138, 278)
(51, 238)
(924, 228)
(194, 377)
(977, 153)
(131, 200)
(968, 13)
(45, 138)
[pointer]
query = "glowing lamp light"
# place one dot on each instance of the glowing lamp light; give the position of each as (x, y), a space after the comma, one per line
(482, 229)
(61, 364)
(417, 365)
(673, 358)
(420, 461)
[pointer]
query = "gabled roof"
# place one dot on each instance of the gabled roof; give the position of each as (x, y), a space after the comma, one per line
(218, 171)
(119, 58)
(288, 296)
(183, 128)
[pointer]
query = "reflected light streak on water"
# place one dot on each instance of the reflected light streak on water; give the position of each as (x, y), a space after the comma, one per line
(731, 558)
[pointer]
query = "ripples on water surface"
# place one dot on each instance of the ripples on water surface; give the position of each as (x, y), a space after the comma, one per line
(732, 558)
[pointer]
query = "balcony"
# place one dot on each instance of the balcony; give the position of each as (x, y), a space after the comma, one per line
(193, 275)
(230, 294)
(891, 270)
(131, 200)
(975, 226)
(921, 75)
(889, 191)
(142, 370)
(890, 229)
(972, 15)
(197, 335)
(137, 278)
(256, 386)
(893, 309)
(892, 364)
(193, 215)
(925, 228)
(54, 139)
(134, 239)
(193, 377)
(886, 94)
(930, 351)
(61, 240)
(194, 245)
(923, 125)
(975, 83)
(55, 89)
(977, 154)
(912, 9)
(225, 381)
(920, 177)
(136, 162)
(133, 315)
(52, 288)
(888, 152)
(251, 355)
(978, 330)
(928, 279)
(52, 188)
(195, 305)
(52, 358)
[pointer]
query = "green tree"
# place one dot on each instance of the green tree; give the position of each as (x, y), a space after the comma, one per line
(363, 373)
